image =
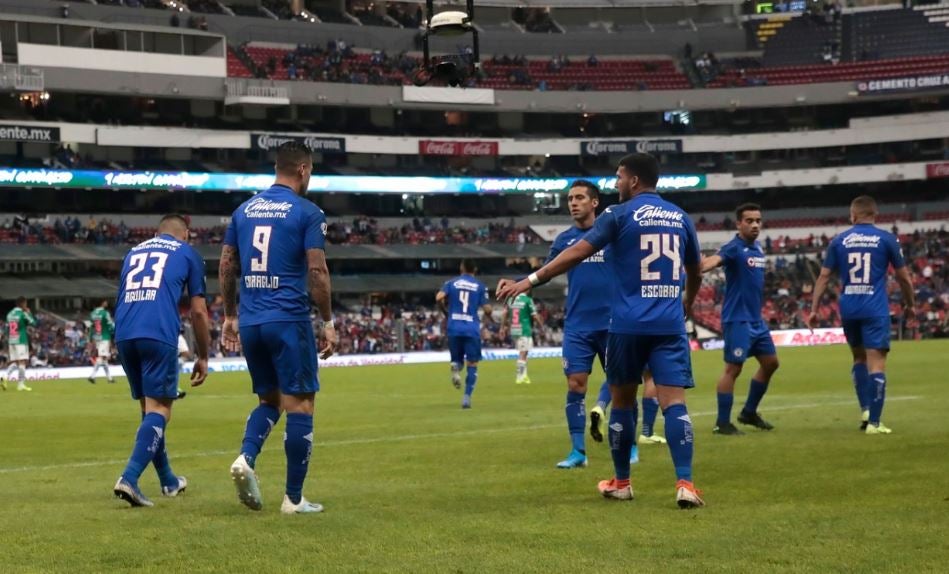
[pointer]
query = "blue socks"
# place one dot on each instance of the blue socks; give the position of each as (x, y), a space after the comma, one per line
(622, 436)
(755, 393)
(876, 396)
(576, 412)
(604, 398)
(650, 410)
(725, 401)
(165, 475)
(861, 384)
(297, 443)
(679, 436)
(147, 444)
(471, 377)
(259, 424)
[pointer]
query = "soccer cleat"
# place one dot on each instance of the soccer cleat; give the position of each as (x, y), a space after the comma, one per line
(181, 394)
(575, 459)
(245, 479)
(22, 387)
(877, 429)
(755, 420)
(466, 402)
(456, 380)
(91, 381)
(597, 420)
(634, 455)
(609, 489)
(130, 493)
(3, 385)
(525, 380)
(727, 429)
(687, 496)
(864, 420)
(651, 439)
(305, 506)
(111, 381)
(172, 491)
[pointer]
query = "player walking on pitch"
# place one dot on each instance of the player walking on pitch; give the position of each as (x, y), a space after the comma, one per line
(102, 332)
(275, 245)
(746, 333)
(524, 320)
(652, 240)
(461, 298)
(154, 276)
(19, 319)
(861, 257)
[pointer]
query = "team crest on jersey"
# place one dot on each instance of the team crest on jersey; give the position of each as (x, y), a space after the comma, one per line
(738, 353)
(757, 262)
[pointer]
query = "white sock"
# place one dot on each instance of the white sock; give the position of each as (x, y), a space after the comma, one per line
(521, 368)
(11, 368)
(105, 368)
(95, 369)
(22, 373)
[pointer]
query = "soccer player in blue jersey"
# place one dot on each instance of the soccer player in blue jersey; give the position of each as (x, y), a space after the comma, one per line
(861, 257)
(461, 298)
(651, 241)
(746, 333)
(154, 276)
(275, 245)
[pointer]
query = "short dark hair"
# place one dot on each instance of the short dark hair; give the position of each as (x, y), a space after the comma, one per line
(290, 154)
(864, 205)
(468, 266)
(741, 209)
(592, 190)
(20, 300)
(177, 217)
(644, 166)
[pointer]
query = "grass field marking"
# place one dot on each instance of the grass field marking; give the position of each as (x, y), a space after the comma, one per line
(421, 436)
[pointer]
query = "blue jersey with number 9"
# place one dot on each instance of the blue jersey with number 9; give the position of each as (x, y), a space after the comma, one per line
(465, 296)
(272, 232)
(154, 276)
(650, 240)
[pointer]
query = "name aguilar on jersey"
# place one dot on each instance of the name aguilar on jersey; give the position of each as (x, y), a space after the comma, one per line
(261, 208)
(859, 240)
(652, 216)
(147, 290)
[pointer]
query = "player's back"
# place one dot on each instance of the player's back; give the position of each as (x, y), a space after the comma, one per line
(154, 276)
(744, 263)
(465, 296)
(522, 315)
(101, 324)
(651, 239)
(272, 232)
(589, 285)
(861, 256)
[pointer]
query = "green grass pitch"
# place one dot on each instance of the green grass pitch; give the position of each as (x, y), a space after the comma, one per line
(411, 483)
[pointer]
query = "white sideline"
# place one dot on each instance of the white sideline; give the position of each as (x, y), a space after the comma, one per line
(413, 437)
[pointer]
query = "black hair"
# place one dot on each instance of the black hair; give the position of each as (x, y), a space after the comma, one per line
(291, 154)
(644, 166)
(592, 190)
(741, 209)
(468, 266)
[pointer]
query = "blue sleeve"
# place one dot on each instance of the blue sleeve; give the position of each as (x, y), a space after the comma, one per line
(726, 252)
(315, 230)
(604, 230)
(230, 235)
(895, 252)
(446, 288)
(693, 253)
(555, 248)
(830, 258)
(196, 283)
(484, 295)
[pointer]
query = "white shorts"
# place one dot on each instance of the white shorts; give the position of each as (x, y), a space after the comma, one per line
(104, 349)
(19, 352)
(525, 344)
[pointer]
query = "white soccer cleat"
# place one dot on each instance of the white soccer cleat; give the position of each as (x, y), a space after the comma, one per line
(245, 479)
(172, 491)
(877, 429)
(305, 506)
(687, 496)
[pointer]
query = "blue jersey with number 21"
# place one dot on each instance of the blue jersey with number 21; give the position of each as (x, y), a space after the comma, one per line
(465, 296)
(861, 257)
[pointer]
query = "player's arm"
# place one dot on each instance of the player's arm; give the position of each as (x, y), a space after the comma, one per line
(820, 286)
(321, 294)
(711, 262)
(441, 298)
(229, 269)
(201, 322)
(909, 294)
(693, 282)
(567, 260)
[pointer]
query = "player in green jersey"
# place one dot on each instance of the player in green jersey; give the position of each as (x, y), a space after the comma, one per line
(523, 321)
(18, 320)
(103, 329)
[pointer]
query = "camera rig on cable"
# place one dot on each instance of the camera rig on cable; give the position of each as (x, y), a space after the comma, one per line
(452, 70)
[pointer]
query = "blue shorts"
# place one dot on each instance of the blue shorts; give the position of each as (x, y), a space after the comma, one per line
(745, 339)
(463, 348)
(580, 348)
(667, 357)
(151, 367)
(870, 333)
(281, 356)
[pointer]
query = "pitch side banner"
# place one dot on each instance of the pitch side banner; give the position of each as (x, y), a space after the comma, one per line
(318, 144)
(937, 170)
(457, 148)
(613, 147)
(31, 134)
(198, 181)
(904, 84)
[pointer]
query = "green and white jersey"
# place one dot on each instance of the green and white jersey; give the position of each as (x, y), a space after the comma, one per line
(522, 311)
(102, 325)
(17, 322)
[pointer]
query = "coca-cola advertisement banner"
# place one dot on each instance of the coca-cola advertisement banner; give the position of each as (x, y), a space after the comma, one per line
(937, 170)
(457, 148)
(614, 147)
(317, 144)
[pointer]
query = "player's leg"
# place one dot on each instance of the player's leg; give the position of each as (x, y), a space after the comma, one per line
(876, 336)
(472, 355)
(625, 362)
(523, 348)
(104, 354)
(670, 363)
(598, 412)
(650, 411)
(261, 420)
(861, 375)
(95, 370)
(293, 347)
(23, 352)
(456, 352)
(181, 369)
(737, 344)
(762, 348)
(578, 352)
